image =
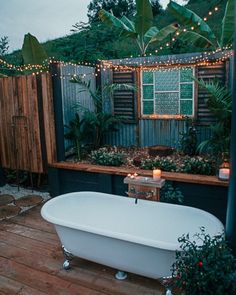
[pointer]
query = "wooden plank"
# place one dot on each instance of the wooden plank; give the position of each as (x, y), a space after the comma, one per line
(12, 287)
(12, 239)
(181, 177)
(40, 280)
(49, 122)
(20, 144)
(36, 222)
(29, 232)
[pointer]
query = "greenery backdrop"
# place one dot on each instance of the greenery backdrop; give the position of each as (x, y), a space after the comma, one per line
(88, 42)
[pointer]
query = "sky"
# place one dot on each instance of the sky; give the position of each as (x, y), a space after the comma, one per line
(45, 19)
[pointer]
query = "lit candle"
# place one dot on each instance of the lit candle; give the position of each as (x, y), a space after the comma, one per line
(224, 173)
(135, 174)
(132, 176)
(129, 175)
(157, 174)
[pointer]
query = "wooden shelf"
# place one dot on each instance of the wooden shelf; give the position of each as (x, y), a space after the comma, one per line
(172, 176)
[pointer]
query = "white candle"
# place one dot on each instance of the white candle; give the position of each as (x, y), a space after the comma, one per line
(156, 174)
(135, 174)
(132, 176)
(224, 173)
(129, 175)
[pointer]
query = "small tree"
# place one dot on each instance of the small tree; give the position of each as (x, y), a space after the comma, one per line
(4, 45)
(142, 29)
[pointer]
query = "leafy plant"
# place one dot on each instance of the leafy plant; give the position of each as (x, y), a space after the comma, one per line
(101, 121)
(163, 163)
(198, 165)
(141, 30)
(205, 265)
(188, 139)
(220, 105)
(32, 51)
(108, 158)
(79, 131)
(197, 32)
(171, 194)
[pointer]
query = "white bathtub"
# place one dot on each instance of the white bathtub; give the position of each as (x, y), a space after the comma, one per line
(112, 230)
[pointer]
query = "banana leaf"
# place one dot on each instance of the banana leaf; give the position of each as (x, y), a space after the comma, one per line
(163, 33)
(143, 17)
(228, 24)
(32, 51)
(112, 21)
(188, 18)
(195, 39)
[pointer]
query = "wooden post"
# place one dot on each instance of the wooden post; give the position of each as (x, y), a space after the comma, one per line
(231, 206)
(58, 110)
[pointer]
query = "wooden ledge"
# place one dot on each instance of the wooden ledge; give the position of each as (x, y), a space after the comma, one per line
(173, 176)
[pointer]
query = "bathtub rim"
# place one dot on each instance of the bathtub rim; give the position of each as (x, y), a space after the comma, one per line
(171, 246)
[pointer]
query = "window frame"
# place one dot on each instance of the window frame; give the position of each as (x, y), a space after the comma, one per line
(167, 116)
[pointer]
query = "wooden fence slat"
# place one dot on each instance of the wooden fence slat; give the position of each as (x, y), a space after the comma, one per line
(20, 140)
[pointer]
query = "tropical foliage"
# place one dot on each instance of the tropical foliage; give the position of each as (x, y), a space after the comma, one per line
(197, 32)
(94, 41)
(220, 104)
(78, 131)
(142, 29)
(101, 121)
(32, 51)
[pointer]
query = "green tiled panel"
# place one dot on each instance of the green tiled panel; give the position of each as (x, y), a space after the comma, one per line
(147, 92)
(148, 108)
(147, 77)
(186, 91)
(167, 80)
(186, 74)
(167, 103)
(186, 107)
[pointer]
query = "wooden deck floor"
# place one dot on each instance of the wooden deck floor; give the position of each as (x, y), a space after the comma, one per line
(31, 264)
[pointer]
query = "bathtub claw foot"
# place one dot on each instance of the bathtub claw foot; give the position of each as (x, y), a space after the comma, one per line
(168, 292)
(66, 264)
(121, 275)
(68, 257)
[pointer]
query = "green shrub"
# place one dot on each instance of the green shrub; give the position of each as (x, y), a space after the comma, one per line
(165, 164)
(205, 266)
(198, 165)
(171, 194)
(108, 158)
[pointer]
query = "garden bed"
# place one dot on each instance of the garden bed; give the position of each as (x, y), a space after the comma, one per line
(162, 157)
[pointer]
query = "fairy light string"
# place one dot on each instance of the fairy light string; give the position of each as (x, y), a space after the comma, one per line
(149, 62)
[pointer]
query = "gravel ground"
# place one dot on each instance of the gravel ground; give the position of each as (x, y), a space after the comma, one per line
(24, 199)
(21, 192)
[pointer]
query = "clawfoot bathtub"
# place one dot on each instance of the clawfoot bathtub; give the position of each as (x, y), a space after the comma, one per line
(116, 231)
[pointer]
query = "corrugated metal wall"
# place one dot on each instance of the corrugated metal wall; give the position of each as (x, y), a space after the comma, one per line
(153, 132)
(72, 93)
(125, 136)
